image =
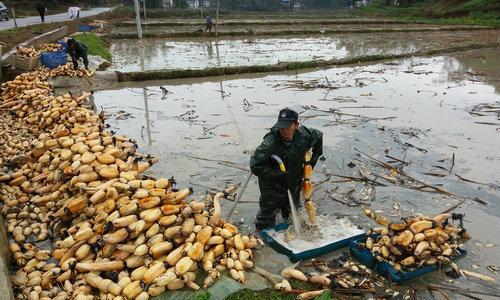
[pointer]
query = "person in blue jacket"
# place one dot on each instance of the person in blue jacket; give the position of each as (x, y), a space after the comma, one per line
(208, 22)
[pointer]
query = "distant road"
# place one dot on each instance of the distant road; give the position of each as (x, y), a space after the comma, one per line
(21, 22)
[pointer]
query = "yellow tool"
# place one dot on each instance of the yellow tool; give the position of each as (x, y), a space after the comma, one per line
(296, 225)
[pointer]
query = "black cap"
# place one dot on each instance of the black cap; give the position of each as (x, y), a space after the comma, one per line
(286, 118)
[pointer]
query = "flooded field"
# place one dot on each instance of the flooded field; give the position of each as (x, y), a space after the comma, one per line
(437, 117)
(163, 53)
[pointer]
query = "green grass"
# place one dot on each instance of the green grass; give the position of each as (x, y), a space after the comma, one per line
(272, 294)
(202, 296)
(479, 20)
(471, 12)
(267, 294)
(95, 45)
(327, 295)
(483, 5)
(13, 30)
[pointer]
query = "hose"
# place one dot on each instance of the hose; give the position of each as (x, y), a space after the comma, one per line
(279, 161)
(295, 220)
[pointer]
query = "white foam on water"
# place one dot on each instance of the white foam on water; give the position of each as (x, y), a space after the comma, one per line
(328, 232)
(295, 219)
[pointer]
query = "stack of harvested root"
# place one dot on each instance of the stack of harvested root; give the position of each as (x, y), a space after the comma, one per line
(14, 140)
(113, 230)
(35, 81)
(30, 52)
(67, 70)
(50, 47)
(415, 242)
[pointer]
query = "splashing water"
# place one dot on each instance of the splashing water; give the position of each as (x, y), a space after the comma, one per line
(325, 232)
(295, 218)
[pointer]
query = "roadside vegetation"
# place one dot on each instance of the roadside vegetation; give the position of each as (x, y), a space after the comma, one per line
(95, 44)
(445, 12)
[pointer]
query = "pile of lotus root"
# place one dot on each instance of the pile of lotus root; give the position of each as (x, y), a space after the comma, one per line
(62, 70)
(33, 52)
(50, 47)
(83, 220)
(67, 70)
(415, 242)
(30, 52)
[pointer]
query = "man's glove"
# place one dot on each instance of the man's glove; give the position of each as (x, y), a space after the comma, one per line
(282, 178)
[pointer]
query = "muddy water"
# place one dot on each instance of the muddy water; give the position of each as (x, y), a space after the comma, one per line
(163, 53)
(425, 103)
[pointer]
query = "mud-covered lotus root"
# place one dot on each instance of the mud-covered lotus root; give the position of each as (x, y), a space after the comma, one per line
(416, 241)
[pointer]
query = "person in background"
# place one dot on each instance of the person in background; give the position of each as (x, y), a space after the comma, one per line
(208, 22)
(74, 12)
(41, 10)
(77, 50)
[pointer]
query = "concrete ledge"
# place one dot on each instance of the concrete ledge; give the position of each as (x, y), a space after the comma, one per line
(47, 37)
(100, 81)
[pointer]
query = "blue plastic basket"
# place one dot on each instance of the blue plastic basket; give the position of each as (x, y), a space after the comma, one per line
(383, 268)
(87, 28)
(294, 257)
(54, 59)
(64, 46)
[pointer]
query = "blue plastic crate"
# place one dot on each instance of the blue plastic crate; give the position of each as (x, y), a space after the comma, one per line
(87, 28)
(294, 257)
(64, 46)
(383, 268)
(54, 59)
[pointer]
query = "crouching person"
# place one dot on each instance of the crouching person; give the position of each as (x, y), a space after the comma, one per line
(78, 50)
